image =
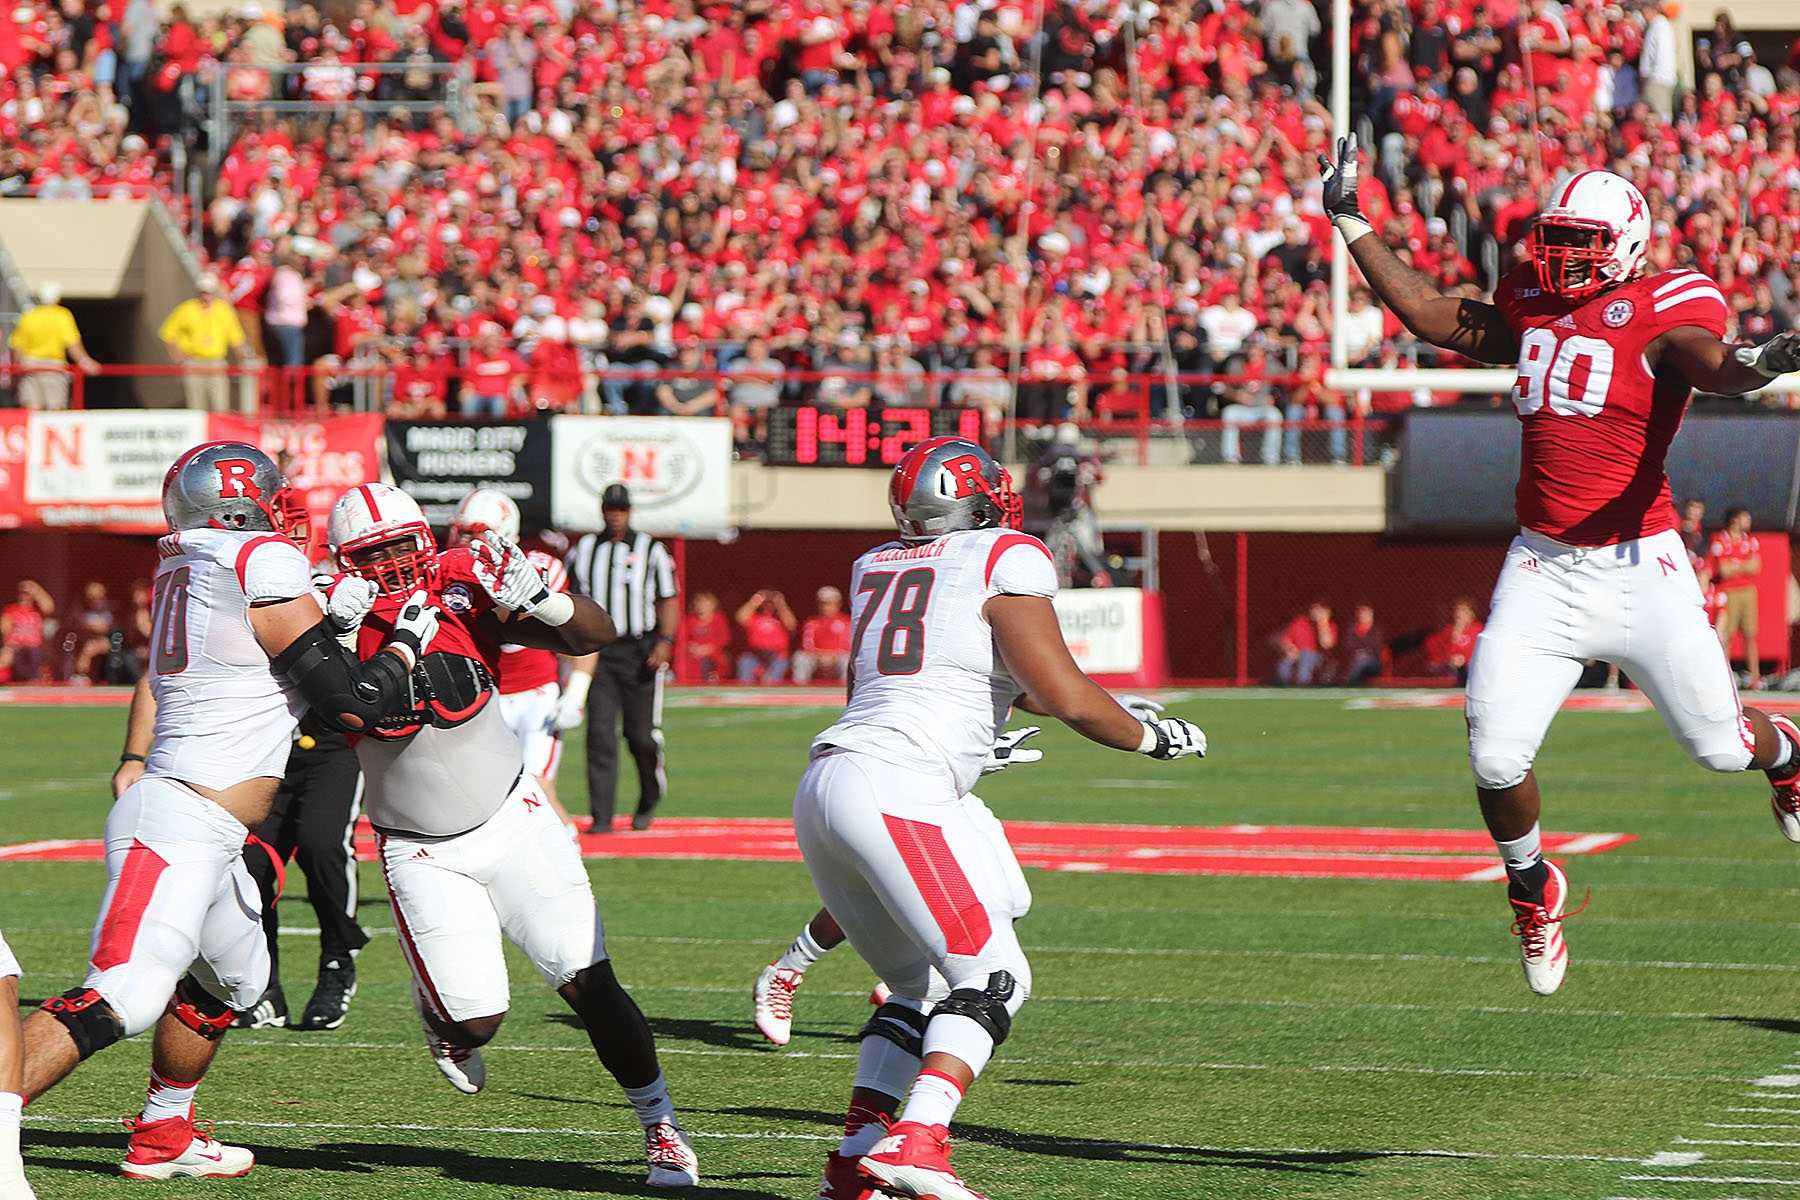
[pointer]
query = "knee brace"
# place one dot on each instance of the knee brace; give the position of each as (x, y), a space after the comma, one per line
(903, 1026)
(1496, 768)
(87, 1016)
(986, 1007)
(200, 1010)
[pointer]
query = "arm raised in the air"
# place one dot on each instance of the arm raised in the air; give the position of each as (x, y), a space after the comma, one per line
(1468, 327)
(1711, 364)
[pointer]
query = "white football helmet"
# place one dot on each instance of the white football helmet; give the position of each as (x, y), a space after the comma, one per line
(1592, 235)
(378, 532)
(485, 510)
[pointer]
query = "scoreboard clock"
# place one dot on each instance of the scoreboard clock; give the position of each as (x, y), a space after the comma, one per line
(811, 436)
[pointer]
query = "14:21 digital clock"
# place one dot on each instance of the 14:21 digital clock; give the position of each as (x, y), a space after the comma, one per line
(808, 435)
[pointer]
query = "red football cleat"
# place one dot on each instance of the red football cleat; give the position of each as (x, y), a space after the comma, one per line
(1784, 790)
(1539, 930)
(181, 1148)
(844, 1180)
(914, 1160)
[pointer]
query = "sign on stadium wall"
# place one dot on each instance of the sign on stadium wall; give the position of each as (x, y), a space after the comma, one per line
(437, 463)
(103, 468)
(1114, 633)
(678, 470)
(12, 468)
(321, 456)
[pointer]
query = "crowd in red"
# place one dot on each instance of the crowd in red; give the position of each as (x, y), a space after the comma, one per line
(1104, 185)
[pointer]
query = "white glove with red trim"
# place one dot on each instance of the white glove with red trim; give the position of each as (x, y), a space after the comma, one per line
(508, 576)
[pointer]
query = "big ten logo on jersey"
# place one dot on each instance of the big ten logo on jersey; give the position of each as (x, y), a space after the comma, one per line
(1569, 374)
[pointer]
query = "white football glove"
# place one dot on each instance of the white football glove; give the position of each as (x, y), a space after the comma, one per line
(1172, 737)
(571, 709)
(415, 626)
(1141, 707)
(348, 601)
(1777, 356)
(1006, 750)
(508, 576)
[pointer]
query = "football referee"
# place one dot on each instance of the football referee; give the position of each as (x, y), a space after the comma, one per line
(632, 575)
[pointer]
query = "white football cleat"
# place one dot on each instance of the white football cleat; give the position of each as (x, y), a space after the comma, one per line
(1539, 929)
(774, 1002)
(463, 1067)
(1784, 793)
(673, 1163)
(181, 1148)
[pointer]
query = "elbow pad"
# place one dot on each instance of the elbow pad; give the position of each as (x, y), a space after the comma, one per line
(344, 692)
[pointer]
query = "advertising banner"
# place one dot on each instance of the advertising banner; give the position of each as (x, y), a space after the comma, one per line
(678, 470)
(13, 438)
(437, 463)
(104, 468)
(321, 456)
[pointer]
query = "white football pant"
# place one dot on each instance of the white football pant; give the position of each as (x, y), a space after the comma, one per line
(516, 874)
(910, 873)
(531, 716)
(178, 899)
(1636, 604)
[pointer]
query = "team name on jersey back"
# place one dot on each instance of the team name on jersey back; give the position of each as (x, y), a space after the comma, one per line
(1596, 419)
(929, 683)
(223, 715)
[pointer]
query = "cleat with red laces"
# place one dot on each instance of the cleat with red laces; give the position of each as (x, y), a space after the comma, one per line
(1538, 927)
(774, 1000)
(914, 1160)
(181, 1148)
(1784, 794)
(672, 1161)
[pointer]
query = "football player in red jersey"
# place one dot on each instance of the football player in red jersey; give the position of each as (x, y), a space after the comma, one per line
(1607, 358)
(467, 844)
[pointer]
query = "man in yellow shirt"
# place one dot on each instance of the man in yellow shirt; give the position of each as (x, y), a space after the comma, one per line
(45, 340)
(202, 334)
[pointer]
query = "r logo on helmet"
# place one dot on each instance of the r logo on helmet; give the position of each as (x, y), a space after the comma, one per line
(237, 479)
(966, 470)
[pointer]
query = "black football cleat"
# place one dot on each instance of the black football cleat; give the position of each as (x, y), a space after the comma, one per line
(270, 1012)
(330, 1001)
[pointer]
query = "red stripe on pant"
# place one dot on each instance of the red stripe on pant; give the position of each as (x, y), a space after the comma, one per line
(407, 944)
(131, 898)
(940, 879)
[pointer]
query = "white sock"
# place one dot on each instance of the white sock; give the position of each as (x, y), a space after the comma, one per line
(1525, 852)
(652, 1101)
(803, 953)
(933, 1099)
(10, 1163)
(167, 1098)
(1784, 754)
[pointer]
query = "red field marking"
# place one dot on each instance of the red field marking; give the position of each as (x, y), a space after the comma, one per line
(1304, 851)
(70, 696)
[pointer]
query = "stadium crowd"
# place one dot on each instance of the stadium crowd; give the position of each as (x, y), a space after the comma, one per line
(643, 184)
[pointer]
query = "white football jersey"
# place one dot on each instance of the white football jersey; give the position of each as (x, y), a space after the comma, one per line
(222, 713)
(930, 685)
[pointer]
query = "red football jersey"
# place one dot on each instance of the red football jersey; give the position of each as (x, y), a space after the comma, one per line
(1596, 424)
(1729, 548)
(525, 667)
(461, 602)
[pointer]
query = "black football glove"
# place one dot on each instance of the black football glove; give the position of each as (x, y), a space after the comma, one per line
(1340, 191)
(1775, 357)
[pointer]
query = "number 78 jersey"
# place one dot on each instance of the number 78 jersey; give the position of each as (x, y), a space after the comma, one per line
(929, 685)
(1596, 422)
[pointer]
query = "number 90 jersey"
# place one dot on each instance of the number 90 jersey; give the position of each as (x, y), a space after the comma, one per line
(222, 713)
(1596, 423)
(929, 684)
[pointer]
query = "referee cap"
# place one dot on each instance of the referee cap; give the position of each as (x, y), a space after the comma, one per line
(616, 496)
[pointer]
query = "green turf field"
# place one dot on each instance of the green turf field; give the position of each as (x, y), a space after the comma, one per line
(1189, 1037)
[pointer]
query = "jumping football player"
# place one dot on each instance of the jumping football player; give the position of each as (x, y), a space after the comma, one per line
(953, 626)
(468, 846)
(530, 678)
(1607, 358)
(239, 646)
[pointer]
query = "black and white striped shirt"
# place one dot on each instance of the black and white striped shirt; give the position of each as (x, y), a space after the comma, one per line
(626, 577)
